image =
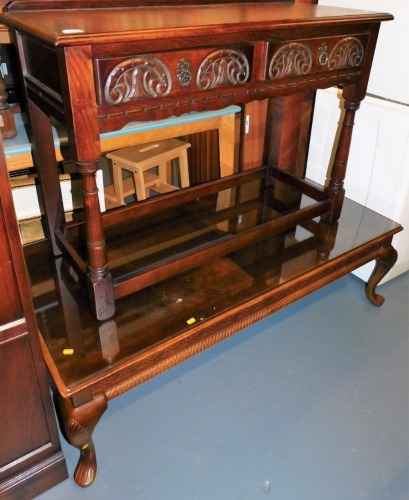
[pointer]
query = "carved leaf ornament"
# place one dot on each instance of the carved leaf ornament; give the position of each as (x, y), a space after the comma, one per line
(348, 52)
(223, 67)
(290, 60)
(147, 76)
(141, 76)
(295, 58)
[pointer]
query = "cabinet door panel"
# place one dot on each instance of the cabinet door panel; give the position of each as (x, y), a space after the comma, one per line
(10, 309)
(23, 422)
(31, 460)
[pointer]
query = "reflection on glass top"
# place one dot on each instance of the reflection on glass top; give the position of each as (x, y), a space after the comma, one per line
(167, 308)
(200, 225)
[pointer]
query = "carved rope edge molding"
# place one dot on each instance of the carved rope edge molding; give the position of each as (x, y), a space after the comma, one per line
(236, 95)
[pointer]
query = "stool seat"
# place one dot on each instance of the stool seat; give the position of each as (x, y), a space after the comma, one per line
(151, 168)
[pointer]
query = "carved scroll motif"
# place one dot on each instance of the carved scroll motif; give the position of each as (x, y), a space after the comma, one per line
(183, 72)
(348, 52)
(223, 67)
(323, 54)
(141, 76)
(289, 60)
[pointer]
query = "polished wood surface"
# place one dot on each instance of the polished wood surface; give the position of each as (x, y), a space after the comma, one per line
(89, 86)
(92, 362)
(31, 460)
(169, 276)
(145, 321)
(140, 23)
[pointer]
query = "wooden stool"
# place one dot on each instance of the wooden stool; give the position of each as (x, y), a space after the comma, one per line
(140, 161)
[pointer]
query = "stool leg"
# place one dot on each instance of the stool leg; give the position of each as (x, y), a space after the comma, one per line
(118, 183)
(139, 184)
(227, 145)
(226, 153)
(165, 172)
(184, 169)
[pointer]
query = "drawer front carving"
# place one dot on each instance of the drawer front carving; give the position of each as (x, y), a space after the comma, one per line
(223, 68)
(139, 77)
(149, 76)
(310, 56)
(347, 53)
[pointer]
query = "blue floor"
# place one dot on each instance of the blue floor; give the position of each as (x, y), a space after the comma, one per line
(311, 403)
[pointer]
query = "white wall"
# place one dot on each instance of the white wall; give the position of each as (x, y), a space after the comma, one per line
(390, 70)
(378, 167)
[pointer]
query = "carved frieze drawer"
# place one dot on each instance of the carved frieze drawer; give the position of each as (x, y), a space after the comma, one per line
(136, 77)
(298, 58)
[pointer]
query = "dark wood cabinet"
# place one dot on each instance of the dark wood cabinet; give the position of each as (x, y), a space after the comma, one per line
(31, 460)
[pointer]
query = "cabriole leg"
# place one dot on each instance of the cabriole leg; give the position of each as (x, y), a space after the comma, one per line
(384, 263)
(79, 424)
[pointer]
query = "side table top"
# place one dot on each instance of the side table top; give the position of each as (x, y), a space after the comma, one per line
(77, 26)
(149, 325)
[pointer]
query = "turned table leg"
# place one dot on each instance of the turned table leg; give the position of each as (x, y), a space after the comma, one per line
(99, 279)
(79, 423)
(83, 134)
(383, 264)
(335, 189)
(47, 171)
